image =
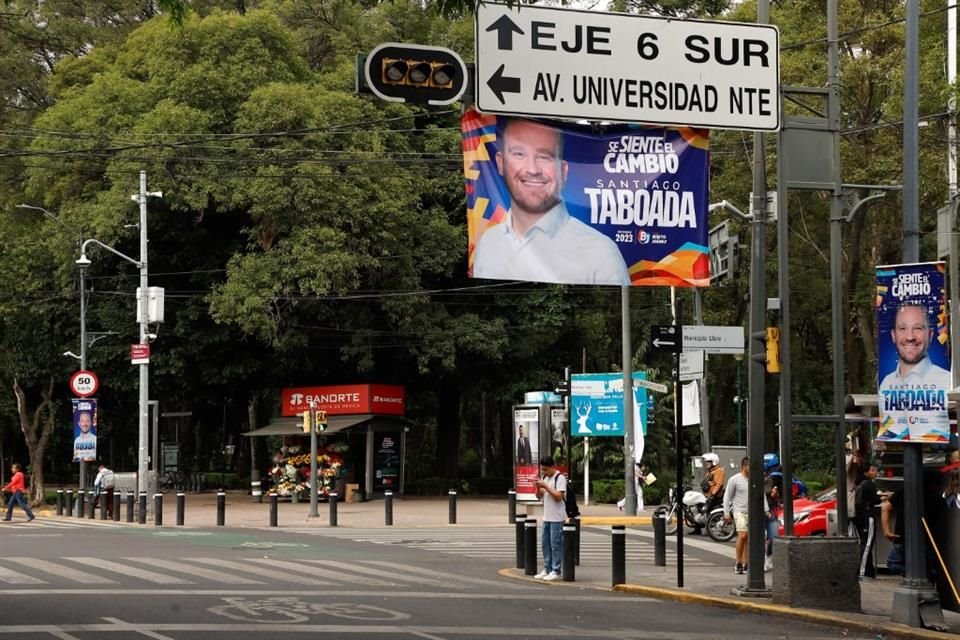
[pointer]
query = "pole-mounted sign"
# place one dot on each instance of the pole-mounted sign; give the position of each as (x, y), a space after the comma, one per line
(563, 63)
(84, 383)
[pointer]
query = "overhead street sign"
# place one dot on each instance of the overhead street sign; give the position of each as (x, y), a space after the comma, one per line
(650, 384)
(666, 338)
(567, 63)
(721, 340)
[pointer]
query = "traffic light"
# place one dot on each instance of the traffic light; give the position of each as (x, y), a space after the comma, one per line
(773, 350)
(415, 73)
(306, 421)
(319, 420)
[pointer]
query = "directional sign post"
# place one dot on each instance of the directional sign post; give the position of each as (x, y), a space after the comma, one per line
(666, 338)
(711, 339)
(564, 63)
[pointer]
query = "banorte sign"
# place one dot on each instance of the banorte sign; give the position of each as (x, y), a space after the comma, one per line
(382, 399)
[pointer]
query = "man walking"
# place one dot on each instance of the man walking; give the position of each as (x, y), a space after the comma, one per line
(552, 489)
(103, 486)
(735, 507)
(17, 485)
(865, 520)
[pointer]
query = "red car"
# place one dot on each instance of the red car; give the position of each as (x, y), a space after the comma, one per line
(810, 514)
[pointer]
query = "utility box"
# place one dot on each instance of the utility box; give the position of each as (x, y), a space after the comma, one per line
(730, 458)
(154, 305)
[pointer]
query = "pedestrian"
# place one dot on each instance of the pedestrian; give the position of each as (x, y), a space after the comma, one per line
(771, 524)
(552, 489)
(103, 486)
(892, 509)
(865, 521)
(17, 486)
(736, 508)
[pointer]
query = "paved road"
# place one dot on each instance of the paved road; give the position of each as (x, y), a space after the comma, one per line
(87, 580)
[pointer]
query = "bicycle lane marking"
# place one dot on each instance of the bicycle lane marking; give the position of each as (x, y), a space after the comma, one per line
(293, 610)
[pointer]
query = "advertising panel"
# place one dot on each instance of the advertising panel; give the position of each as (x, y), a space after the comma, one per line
(913, 353)
(526, 454)
(556, 203)
(386, 462)
(344, 399)
(597, 403)
(84, 429)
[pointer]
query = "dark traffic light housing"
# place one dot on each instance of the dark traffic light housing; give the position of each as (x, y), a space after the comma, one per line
(415, 73)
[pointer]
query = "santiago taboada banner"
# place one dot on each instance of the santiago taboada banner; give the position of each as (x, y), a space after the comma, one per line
(554, 203)
(84, 429)
(913, 353)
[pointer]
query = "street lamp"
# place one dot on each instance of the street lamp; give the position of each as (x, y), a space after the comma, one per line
(739, 400)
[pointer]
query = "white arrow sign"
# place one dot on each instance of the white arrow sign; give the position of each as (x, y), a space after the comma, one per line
(657, 342)
(729, 340)
(565, 63)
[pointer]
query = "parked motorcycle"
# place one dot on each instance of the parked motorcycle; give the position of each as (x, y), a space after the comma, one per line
(693, 510)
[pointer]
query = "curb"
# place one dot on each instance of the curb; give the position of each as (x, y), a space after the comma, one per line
(886, 630)
(612, 520)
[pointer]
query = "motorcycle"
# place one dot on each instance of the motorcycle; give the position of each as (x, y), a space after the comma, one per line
(693, 510)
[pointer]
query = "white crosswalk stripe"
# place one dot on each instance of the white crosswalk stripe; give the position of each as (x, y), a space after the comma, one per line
(200, 572)
(61, 570)
(133, 572)
(68, 523)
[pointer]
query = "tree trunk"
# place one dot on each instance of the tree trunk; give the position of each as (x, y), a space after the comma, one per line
(37, 428)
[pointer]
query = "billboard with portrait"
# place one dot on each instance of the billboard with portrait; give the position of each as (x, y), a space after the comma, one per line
(526, 450)
(84, 429)
(552, 202)
(913, 360)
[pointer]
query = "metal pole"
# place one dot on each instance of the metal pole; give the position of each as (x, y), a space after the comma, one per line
(659, 540)
(388, 508)
(511, 505)
(952, 184)
(81, 503)
(314, 490)
(701, 384)
(142, 515)
(618, 548)
(483, 434)
(452, 506)
(129, 506)
(181, 508)
(569, 568)
(630, 489)
(221, 508)
(783, 289)
(273, 509)
(519, 525)
(333, 509)
(678, 443)
(145, 366)
(158, 509)
(59, 502)
(530, 547)
(116, 507)
(83, 351)
(69, 503)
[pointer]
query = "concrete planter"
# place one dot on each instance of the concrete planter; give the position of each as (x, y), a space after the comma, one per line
(817, 573)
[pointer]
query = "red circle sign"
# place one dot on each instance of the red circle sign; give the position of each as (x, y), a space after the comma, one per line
(84, 383)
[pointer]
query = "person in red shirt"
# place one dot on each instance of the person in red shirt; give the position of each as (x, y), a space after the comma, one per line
(17, 486)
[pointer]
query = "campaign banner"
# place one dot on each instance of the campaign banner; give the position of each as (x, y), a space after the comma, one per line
(84, 429)
(526, 453)
(556, 203)
(913, 360)
(596, 401)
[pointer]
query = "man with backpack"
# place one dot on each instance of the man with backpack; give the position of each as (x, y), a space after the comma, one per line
(103, 486)
(552, 489)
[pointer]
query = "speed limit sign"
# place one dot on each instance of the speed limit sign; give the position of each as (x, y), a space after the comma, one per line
(84, 383)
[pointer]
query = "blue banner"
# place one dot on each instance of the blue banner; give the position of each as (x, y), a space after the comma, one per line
(913, 361)
(596, 404)
(84, 429)
(556, 203)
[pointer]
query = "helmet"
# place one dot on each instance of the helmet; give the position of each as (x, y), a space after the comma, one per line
(770, 461)
(712, 458)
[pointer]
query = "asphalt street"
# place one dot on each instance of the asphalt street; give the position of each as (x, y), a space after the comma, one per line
(90, 580)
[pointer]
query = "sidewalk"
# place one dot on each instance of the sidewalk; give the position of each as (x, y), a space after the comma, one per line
(705, 585)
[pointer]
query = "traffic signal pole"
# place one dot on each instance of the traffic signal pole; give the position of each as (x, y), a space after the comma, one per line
(314, 513)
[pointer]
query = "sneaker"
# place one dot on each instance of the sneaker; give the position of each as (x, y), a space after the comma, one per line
(550, 577)
(31, 518)
(540, 576)
(739, 569)
(768, 564)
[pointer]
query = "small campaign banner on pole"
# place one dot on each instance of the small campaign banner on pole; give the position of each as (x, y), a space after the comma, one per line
(84, 429)
(139, 353)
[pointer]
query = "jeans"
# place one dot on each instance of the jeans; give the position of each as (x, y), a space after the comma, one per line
(773, 528)
(552, 543)
(17, 498)
(896, 560)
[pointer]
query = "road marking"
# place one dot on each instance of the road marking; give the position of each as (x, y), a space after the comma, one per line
(334, 576)
(450, 576)
(116, 567)
(143, 632)
(58, 569)
(200, 572)
(12, 577)
(377, 572)
(259, 571)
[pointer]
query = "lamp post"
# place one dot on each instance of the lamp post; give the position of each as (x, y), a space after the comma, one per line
(739, 401)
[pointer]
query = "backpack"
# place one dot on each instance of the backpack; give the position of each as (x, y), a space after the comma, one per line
(570, 498)
(108, 480)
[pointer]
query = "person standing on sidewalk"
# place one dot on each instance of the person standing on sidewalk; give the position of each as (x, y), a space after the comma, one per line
(103, 486)
(735, 507)
(552, 489)
(866, 504)
(17, 485)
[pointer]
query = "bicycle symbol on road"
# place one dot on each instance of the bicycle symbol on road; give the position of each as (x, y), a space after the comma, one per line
(289, 610)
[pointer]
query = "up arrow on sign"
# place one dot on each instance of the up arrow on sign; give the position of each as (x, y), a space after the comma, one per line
(505, 28)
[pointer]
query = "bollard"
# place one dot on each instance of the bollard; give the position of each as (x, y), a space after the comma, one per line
(221, 508)
(618, 546)
(576, 541)
(142, 516)
(116, 506)
(530, 547)
(256, 491)
(69, 503)
(158, 509)
(104, 507)
(569, 570)
(333, 509)
(181, 508)
(659, 540)
(129, 506)
(92, 513)
(511, 506)
(273, 509)
(388, 508)
(519, 521)
(59, 502)
(452, 497)
(81, 503)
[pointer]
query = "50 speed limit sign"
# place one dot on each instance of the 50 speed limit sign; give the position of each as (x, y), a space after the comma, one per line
(84, 383)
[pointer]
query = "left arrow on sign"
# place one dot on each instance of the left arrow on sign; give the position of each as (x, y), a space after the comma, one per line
(505, 28)
(501, 84)
(657, 342)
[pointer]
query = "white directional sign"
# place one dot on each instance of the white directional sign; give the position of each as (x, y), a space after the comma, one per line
(650, 384)
(691, 365)
(729, 340)
(565, 63)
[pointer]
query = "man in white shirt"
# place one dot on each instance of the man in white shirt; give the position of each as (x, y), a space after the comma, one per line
(552, 489)
(911, 334)
(539, 241)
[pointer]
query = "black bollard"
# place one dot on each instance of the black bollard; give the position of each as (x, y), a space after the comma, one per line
(59, 502)
(104, 507)
(388, 508)
(221, 508)
(273, 509)
(116, 506)
(81, 503)
(158, 509)
(618, 545)
(519, 521)
(69, 503)
(129, 506)
(659, 540)
(511, 505)
(142, 516)
(181, 508)
(333, 509)
(576, 541)
(569, 570)
(530, 547)
(452, 497)
(92, 513)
